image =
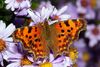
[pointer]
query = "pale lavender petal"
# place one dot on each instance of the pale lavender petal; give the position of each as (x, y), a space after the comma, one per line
(16, 5)
(33, 16)
(30, 58)
(8, 1)
(62, 10)
(90, 27)
(9, 56)
(93, 42)
(12, 8)
(64, 17)
(29, 66)
(22, 12)
(2, 26)
(67, 61)
(16, 64)
(51, 57)
(8, 6)
(25, 4)
(58, 60)
(32, 24)
(52, 22)
(9, 30)
(54, 12)
(10, 39)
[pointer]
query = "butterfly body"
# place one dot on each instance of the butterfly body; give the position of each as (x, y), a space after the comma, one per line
(42, 38)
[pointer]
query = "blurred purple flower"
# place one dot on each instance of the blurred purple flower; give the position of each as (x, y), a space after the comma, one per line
(81, 47)
(93, 33)
(85, 8)
(17, 4)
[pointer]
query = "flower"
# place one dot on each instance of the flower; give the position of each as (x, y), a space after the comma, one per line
(19, 61)
(27, 62)
(47, 12)
(93, 33)
(17, 4)
(73, 54)
(53, 13)
(71, 10)
(22, 12)
(59, 62)
(81, 47)
(59, 15)
(45, 4)
(5, 45)
(80, 44)
(84, 9)
(39, 16)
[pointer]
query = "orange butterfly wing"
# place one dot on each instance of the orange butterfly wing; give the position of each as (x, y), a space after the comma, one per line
(33, 40)
(63, 33)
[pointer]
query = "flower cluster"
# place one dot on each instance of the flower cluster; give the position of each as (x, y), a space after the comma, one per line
(10, 51)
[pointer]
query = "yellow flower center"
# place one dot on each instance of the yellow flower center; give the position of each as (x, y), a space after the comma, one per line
(46, 64)
(25, 61)
(73, 54)
(86, 56)
(2, 45)
(93, 3)
(75, 65)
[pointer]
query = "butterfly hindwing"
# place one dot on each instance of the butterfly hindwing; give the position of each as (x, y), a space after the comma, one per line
(63, 33)
(33, 40)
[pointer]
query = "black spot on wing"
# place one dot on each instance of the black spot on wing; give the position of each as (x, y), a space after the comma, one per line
(59, 36)
(60, 25)
(34, 45)
(37, 40)
(22, 29)
(62, 34)
(68, 30)
(74, 20)
(35, 35)
(30, 29)
(35, 29)
(30, 37)
(59, 40)
(66, 23)
(30, 42)
(62, 31)
(39, 44)
(26, 36)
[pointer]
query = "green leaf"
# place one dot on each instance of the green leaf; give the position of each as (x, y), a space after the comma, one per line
(34, 5)
(2, 3)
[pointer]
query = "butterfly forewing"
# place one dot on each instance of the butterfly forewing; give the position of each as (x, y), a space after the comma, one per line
(63, 33)
(33, 39)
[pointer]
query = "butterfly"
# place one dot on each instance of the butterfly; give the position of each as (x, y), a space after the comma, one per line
(42, 38)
